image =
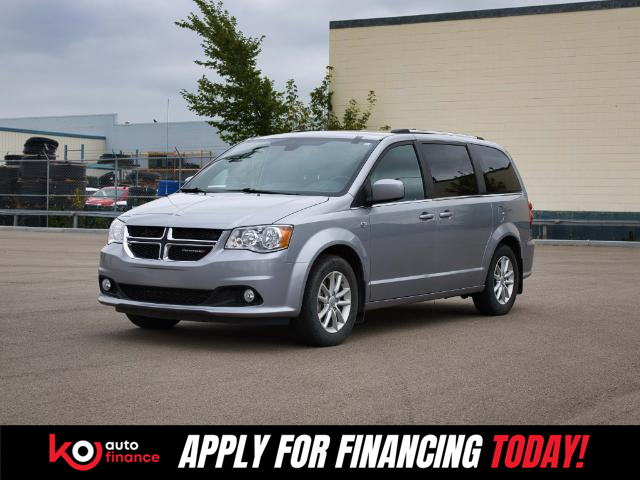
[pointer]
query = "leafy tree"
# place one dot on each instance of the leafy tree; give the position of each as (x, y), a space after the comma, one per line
(295, 114)
(322, 116)
(245, 103)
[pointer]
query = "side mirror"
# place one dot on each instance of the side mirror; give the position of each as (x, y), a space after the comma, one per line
(386, 190)
(187, 180)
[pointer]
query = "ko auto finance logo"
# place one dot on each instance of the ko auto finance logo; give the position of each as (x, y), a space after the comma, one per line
(83, 455)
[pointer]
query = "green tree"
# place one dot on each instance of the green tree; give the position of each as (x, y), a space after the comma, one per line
(244, 103)
(321, 114)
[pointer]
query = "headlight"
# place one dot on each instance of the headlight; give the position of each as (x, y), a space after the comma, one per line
(116, 232)
(261, 239)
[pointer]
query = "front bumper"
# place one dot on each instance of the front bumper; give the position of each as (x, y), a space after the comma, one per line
(279, 282)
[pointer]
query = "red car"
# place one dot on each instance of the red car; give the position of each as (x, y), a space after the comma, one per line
(107, 197)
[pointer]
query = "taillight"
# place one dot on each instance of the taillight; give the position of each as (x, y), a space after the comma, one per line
(530, 214)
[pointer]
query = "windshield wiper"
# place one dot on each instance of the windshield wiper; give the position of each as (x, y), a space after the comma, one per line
(193, 190)
(257, 190)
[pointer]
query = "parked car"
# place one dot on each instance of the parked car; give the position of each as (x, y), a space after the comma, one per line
(320, 227)
(107, 197)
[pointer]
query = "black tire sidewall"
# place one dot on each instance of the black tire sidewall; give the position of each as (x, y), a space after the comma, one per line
(497, 307)
(308, 324)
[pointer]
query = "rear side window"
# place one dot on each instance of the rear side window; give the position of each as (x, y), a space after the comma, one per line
(451, 170)
(401, 163)
(497, 170)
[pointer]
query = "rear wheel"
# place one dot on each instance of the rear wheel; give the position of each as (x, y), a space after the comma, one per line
(501, 285)
(330, 304)
(152, 323)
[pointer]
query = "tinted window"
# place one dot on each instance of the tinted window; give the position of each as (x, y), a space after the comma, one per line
(401, 163)
(499, 174)
(451, 170)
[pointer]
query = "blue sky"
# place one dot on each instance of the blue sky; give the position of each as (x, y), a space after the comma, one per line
(67, 57)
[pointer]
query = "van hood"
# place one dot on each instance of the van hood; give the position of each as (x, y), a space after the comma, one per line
(218, 210)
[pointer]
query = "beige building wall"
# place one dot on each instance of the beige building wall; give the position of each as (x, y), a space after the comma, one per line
(13, 143)
(560, 91)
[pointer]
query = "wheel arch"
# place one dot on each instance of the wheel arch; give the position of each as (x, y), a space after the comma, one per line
(514, 244)
(351, 256)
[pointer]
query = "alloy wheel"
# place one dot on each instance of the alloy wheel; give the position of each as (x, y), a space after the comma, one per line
(503, 280)
(334, 301)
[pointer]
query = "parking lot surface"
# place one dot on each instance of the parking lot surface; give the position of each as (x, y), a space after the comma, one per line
(568, 353)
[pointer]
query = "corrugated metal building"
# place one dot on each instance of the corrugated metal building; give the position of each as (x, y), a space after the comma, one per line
(103, 134)
(557, 85)
(77, 146)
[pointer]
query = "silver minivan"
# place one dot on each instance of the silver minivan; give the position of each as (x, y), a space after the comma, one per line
(320, 227)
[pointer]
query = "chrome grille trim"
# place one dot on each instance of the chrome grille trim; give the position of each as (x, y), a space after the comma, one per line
(165, 243)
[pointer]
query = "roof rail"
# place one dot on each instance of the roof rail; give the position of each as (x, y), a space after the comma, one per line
(431, 132)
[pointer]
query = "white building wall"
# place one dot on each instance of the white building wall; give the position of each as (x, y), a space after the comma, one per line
(144, 137)
(13, 143)
(560, 91)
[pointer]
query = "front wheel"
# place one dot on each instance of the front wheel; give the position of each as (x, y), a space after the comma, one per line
(152, 323)
(330, 304)
(501, 285)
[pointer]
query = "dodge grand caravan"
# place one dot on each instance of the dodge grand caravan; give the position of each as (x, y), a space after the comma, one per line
(319, 227)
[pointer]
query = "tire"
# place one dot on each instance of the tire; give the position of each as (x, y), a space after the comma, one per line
(41, 140)
(308, 325)
(40, 145)
(152, 323)
(8, 173)
(68, 188)
(32, 187)
(12, 160)
(106, 180)
(33, 167)
(8, 187)
(68, 171)
(493, 299)
(44, 151)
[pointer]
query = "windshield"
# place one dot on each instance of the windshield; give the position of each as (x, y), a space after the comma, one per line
(296, 165)
(109, 193)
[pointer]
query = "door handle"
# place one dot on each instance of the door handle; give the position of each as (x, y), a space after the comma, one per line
(426, 216)
(446, 214)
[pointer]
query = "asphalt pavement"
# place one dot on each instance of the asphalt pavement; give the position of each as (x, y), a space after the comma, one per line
(568, 353)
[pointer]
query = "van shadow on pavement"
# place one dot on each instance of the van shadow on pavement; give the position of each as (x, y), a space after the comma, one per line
(234, 336)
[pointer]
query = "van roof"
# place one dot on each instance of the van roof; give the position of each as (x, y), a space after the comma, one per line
(379, 135)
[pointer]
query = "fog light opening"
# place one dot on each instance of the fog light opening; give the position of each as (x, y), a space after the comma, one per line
(106, 285)
(249, 295)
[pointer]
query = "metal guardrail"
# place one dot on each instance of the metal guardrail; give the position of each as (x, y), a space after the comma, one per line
(587, 222)
(17, 213)
(545, 223)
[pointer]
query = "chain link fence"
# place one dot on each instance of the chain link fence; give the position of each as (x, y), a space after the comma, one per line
(115, 182)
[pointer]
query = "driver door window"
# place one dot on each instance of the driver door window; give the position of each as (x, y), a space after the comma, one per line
(401, 163)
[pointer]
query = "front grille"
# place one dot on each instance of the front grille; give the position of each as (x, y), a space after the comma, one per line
(206, 234)
(174, 296)
(167, 243)
(145, 232)
(187, 253)
(145, 250)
